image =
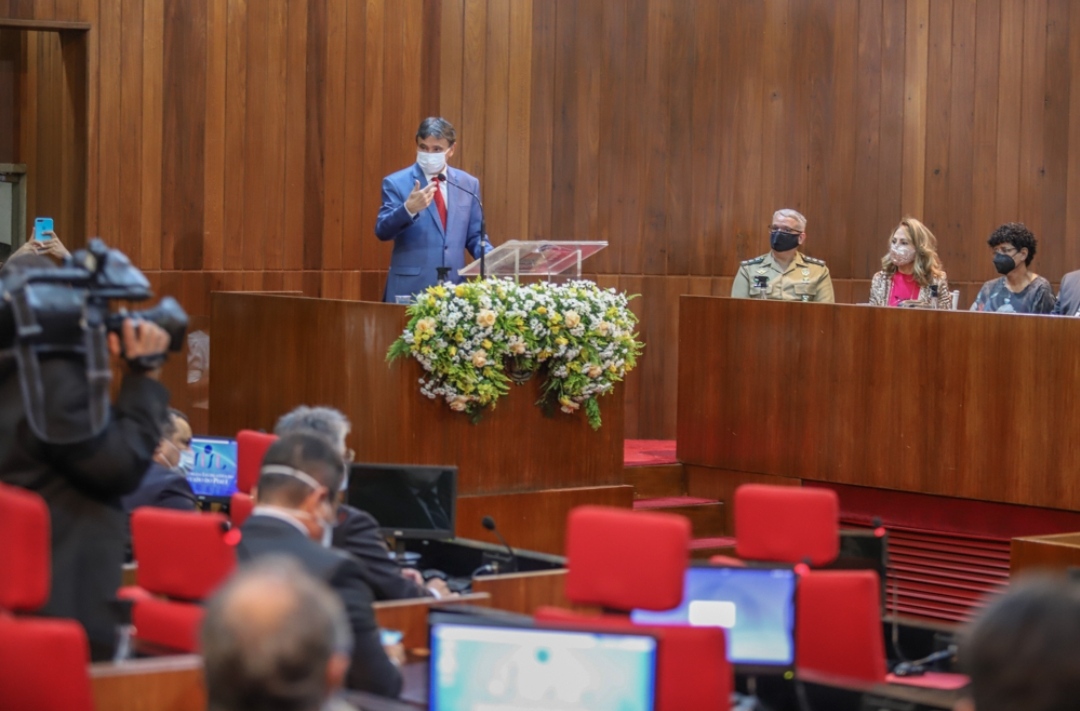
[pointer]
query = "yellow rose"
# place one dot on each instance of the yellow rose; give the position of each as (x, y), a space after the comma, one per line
(486, 318)
(425, 325)
(517, 348)
(486, 344)
(595, 371)
(604, 328)
(459, 290)
(542, 310)
(560, 341)
(459, 404)
(572, 319)
(479, 359)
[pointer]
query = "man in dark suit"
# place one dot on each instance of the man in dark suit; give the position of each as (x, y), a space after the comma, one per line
(1068, 301)
(82, 481)
(357, 532)
(165, 483)
(429, 213)
(294, 508)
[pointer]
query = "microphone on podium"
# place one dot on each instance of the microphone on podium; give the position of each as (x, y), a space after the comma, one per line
(483, 224)
(499, 561)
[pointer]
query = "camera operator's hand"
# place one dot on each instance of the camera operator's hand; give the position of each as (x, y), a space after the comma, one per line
(52, 247)
(141, 338)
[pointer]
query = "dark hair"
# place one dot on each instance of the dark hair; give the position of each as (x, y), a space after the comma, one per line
(436, 127)
(308, 452)
(168, 425)
(1018, 235)
(1023, 651)
(268, 636)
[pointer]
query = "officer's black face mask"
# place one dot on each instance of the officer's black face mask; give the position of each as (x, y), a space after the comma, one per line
(783, 241)
(1004, 263)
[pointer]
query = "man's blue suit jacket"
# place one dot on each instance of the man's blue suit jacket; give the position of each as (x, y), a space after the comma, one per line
(422, 245)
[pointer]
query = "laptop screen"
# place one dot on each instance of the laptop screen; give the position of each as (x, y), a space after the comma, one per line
(499, 667)
(756, 606)
(213, 475)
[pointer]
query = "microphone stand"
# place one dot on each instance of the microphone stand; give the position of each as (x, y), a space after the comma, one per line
(483, 225)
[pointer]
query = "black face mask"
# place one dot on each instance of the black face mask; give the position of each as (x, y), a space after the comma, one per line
(1003, 263)
(783, 241)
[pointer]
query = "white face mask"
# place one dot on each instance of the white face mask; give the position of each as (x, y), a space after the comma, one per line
(187, 462)
(431, 163)
(902, 254)
(327, 525)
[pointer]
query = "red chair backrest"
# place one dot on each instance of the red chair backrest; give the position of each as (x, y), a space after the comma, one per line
(251, 447)
(168, 624)
(622, 560)
(787, 524)
(44, 665)
(838, 625)
(181, 554)
(240, 507)
(24, 550)
(692, 669)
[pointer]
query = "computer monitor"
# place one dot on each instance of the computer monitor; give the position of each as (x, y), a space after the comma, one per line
(500, 666)
(213, 475)
(756, 607)
(407, 501)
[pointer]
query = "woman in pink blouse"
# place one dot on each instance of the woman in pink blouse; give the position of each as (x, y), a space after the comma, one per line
(910, 269)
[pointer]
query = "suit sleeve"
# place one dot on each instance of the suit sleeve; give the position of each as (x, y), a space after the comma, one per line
(371, 670)
(824, 294)
(178, 496)
(112, 463)
(474, 238)
(358, 535)
(393, 217)
(740, 288)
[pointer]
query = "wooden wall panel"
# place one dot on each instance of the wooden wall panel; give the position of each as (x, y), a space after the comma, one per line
(241, 138)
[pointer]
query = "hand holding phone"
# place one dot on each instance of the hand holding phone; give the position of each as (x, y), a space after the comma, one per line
(43, 228)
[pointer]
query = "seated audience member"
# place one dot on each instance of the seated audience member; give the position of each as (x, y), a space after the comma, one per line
(165, 483)
(785, 273)
(294, 511)
(356, 531)
(909, 270)
(1068, 299)
(1019, 290)
(1023, 651)
(275, 639)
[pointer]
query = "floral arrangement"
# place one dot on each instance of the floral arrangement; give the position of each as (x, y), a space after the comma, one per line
(471, 338)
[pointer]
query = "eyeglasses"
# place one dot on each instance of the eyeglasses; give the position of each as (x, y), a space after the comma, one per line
(785, 230)
(350, 456)
(1002, 250)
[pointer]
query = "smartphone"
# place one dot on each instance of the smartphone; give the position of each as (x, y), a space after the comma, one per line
(389, 638)
(41, 226)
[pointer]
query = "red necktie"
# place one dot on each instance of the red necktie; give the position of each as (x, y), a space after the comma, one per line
(440, 203)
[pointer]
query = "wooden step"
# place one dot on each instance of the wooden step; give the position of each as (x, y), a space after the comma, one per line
(656, 481)
(706, 517)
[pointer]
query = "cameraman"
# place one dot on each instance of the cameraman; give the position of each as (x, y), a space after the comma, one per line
(82, 482)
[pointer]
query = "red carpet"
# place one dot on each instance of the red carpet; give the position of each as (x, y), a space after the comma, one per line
(648, 452)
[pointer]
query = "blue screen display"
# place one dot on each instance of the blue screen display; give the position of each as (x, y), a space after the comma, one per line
(214, 472)
(756, 607)
(477, 668)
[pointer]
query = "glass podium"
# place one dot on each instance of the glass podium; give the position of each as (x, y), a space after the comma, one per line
(545, 258)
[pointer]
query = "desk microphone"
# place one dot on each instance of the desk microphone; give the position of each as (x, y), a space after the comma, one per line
(483, 249)
(510, 565)
(918, 666)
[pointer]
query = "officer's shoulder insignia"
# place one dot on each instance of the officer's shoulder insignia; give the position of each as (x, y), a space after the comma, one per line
(755, 260)
(814, 260)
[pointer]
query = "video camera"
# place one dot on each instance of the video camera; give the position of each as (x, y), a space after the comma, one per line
(64, 311)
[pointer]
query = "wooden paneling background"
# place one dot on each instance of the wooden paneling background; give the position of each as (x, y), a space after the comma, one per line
(239, 144)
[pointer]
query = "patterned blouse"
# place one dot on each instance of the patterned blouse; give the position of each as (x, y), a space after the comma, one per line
(881, 289)
(1035, 298)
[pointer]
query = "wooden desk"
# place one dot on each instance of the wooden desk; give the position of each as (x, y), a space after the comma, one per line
(274, 352)
(1055, 553)
(159, 684)
(410, 616)
(891, 398)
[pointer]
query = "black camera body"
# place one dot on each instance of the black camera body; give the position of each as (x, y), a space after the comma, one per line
(64, 312)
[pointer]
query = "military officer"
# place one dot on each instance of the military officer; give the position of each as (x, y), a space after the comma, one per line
(785, 273)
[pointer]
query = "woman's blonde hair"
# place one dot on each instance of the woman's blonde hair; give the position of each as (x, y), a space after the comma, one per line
(927, 265)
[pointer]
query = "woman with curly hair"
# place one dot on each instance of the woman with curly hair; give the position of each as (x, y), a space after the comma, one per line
(1019, 290)
(910, 270)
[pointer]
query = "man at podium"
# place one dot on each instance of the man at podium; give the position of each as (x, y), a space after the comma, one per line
(433, 214)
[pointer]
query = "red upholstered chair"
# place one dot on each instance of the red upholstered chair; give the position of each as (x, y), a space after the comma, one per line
(43, 662)
(621, 560)
(251, 447)
(786, 524)
(183, 557)
(838, 625)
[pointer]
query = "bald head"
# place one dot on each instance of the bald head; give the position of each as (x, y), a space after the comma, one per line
(274, 638)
